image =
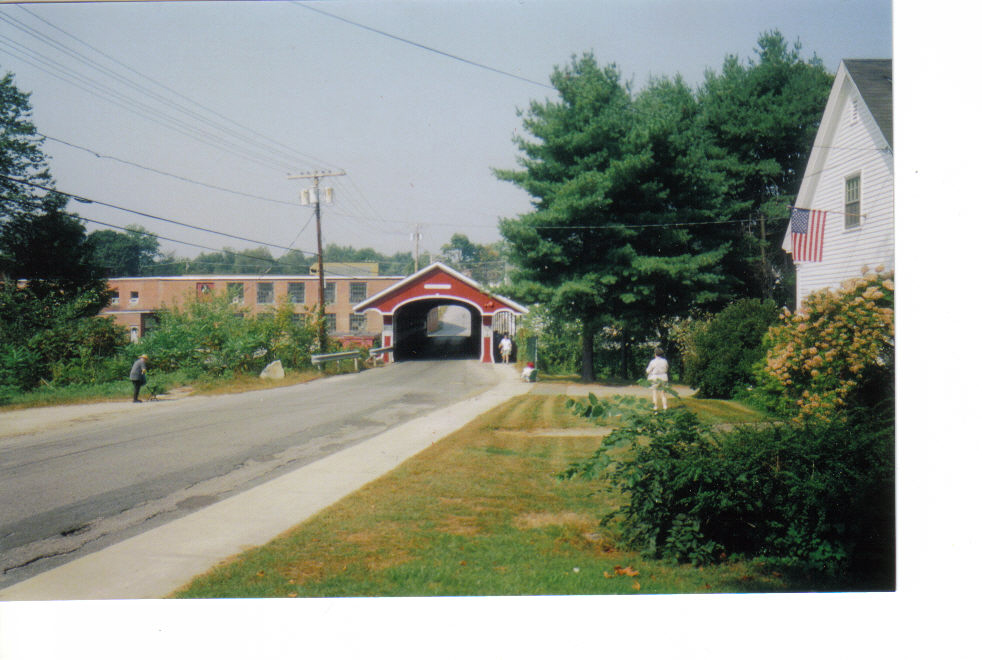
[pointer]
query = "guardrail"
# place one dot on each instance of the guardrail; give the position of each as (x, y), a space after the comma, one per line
(318, 360)
(375, 353)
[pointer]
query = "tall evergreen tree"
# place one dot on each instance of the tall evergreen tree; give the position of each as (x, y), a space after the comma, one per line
(759, 120)
(21, 158)
(607, 242)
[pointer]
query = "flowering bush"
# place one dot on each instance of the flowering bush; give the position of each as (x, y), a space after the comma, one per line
(837, 353)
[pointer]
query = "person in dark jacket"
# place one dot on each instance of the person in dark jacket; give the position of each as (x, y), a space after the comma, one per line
(138, 376)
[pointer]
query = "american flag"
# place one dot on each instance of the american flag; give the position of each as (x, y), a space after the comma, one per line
(807, 234)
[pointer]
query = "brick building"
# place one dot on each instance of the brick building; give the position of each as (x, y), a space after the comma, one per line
(136, 299)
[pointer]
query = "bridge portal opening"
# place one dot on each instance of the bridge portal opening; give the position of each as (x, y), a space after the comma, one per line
(435, 330)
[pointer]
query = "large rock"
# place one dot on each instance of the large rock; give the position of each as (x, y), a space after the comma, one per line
(273, 370)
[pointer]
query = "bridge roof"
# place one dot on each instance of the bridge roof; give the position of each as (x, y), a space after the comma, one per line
(434, 282)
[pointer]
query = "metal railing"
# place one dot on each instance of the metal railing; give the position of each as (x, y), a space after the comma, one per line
(318, 360)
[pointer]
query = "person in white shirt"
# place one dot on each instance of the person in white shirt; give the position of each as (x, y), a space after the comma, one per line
(505, 347)
(657, 371)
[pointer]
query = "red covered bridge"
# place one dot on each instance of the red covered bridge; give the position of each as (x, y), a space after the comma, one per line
(407, 306)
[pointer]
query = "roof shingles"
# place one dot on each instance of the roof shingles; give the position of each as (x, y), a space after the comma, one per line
(874, 80)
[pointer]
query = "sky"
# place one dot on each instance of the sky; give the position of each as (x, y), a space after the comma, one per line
(199, 112)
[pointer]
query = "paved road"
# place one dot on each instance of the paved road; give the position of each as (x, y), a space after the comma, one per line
(72, 489)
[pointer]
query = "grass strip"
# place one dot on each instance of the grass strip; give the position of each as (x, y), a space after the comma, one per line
(479, 513)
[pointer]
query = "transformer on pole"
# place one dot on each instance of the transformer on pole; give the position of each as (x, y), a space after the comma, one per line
(308, 196)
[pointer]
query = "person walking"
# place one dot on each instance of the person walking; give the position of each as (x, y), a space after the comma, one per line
(657, 371)
(505, 347)
(138, 376)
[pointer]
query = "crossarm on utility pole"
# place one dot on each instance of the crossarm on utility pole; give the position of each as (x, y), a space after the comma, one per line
(316, 176)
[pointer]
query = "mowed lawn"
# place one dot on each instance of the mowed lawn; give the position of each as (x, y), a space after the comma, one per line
(481, 512)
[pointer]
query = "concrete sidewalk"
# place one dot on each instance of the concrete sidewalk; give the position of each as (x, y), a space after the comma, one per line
(160, 561)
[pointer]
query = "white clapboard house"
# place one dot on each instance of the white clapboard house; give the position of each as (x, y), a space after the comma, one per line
(842, 222)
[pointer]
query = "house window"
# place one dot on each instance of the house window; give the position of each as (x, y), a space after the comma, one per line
(264, 293)
(357, 292)
(205, 289)
(330, 293)
(236, 291)
(358, 323)
(295, 291)
(299, 319)
(330, 322)
(134, 333)
(852, 202)
(134, 298)
(114, 297)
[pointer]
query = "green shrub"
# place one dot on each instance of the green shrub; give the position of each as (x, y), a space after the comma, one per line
(724, 349)
(557, 342)
(20, 367)
(215, 337)
(820, 494)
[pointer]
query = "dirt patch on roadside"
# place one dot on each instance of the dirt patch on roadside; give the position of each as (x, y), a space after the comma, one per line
(548, 518)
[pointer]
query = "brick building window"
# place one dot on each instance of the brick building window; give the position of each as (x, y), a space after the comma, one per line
(357, 292)
(295, 291)
(114, 297)
(134, 298)
(264, 293)
(330, 293)
(330, 322)
(358, 323)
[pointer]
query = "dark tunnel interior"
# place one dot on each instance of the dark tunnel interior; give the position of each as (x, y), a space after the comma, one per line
(436, 329)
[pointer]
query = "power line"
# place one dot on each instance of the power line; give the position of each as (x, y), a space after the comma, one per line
(265, 260)
(150, 216)
(250, 149)
(648, 226)
(423, 46)
(99, 90)
(168, 174)
(174, 240)
(221, 126)
(287, 150)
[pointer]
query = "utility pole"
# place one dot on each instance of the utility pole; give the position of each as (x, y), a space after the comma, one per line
(305, 198)
(765, 271)
(415, 238)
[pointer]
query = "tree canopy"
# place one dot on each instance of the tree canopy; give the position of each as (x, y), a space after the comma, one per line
(483, 263)
(124, 254)
(648, 205)
(21, 157)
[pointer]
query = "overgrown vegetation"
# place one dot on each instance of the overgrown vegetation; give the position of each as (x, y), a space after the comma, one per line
(216, 337)
(198, 341)
(813, 489)
(818, 496)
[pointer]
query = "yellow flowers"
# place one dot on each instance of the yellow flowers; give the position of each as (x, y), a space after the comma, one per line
(817, 358)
